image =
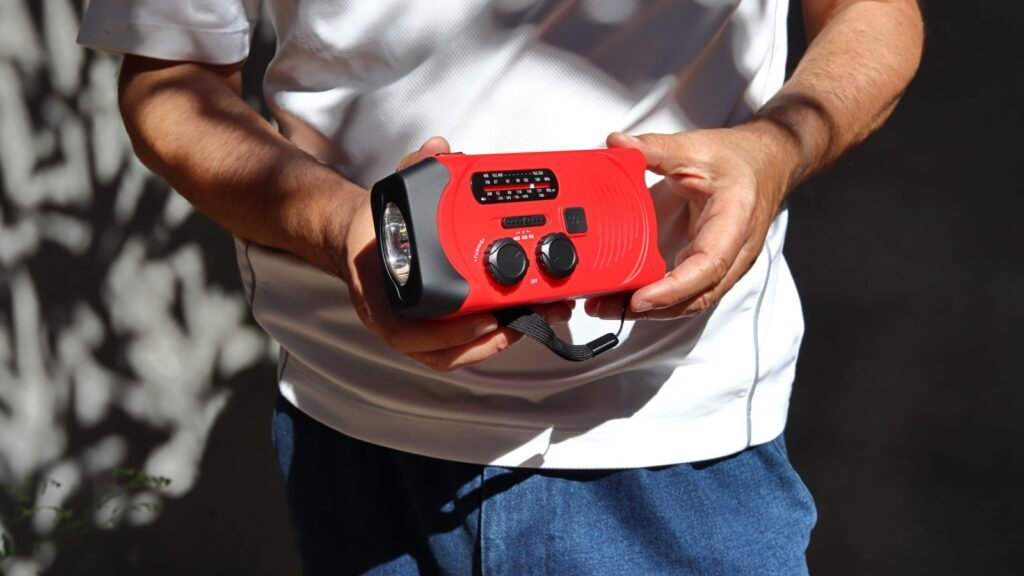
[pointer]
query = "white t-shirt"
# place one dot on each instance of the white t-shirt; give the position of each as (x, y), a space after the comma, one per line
(360, 83)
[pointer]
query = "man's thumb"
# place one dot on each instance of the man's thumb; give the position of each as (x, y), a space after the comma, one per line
(656, 148)
(433, 146)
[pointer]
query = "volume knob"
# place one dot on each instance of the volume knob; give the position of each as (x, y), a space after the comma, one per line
(506, 261)
(557, 255)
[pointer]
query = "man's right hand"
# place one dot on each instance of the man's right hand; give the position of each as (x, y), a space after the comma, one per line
(440, 344)
(189, 123)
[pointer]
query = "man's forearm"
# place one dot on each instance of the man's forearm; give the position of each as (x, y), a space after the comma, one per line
(188, 123)
(861, 57)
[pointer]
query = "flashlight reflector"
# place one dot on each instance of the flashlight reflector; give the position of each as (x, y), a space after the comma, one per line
(397, 250)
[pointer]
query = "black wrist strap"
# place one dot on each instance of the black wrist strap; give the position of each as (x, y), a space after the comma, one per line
(529, 323)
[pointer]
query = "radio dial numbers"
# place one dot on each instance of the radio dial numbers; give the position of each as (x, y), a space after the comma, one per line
(500, 187)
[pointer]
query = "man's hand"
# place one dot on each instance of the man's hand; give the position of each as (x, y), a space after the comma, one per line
(861, 57)
(440, 344)
(733, 184)
(188, 123)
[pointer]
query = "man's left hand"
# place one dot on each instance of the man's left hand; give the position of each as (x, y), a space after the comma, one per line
(734, 180)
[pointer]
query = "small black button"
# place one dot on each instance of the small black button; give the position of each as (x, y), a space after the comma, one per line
(575, 220)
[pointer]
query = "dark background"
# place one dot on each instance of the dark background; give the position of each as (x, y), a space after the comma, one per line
(904, 421)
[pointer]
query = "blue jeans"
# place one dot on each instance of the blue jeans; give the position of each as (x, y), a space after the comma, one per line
(358, 508)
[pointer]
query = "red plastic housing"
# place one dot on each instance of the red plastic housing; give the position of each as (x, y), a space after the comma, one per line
(618, 252)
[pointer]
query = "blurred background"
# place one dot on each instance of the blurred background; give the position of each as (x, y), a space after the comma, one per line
(135, 391)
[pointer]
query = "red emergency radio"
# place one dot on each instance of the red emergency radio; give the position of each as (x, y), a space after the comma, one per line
(465, 233)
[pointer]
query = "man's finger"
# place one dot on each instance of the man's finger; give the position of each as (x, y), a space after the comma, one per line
(408, 336)
(433, 146)
(490, 344)
(555, 313)
(705, 263)
(473, 352)
(665, 153)
(610, 307)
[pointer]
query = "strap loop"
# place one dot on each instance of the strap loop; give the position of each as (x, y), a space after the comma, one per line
(529, 323)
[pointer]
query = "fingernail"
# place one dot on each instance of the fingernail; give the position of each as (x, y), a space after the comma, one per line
(642, 306)
(487, 328)
(630, 137)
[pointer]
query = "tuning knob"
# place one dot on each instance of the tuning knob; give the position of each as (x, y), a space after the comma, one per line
(506, 261)
(557, 255)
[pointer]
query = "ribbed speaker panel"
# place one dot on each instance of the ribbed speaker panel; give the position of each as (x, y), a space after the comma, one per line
(618, 224)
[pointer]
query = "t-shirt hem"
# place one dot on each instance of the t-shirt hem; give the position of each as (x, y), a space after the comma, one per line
(611, 445)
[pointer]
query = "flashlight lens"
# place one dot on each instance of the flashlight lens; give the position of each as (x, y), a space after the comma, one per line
(396, 243)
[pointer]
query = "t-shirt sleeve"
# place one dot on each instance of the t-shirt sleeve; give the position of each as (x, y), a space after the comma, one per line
(208, 31)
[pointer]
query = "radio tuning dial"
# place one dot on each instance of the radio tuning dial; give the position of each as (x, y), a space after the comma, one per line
(557, 255)
(506, 261)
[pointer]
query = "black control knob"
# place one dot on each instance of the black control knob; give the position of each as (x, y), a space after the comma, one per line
(506, 261)
(557, 255)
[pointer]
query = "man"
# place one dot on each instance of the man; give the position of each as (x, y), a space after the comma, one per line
(448, 446)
